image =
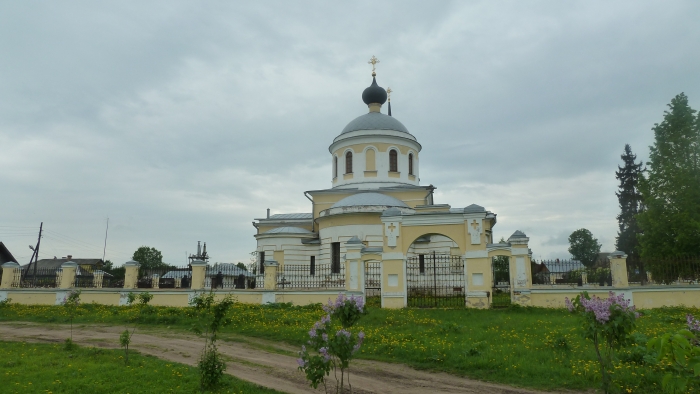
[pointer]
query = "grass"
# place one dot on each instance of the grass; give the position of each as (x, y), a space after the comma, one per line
(48, 368)
(528, 347)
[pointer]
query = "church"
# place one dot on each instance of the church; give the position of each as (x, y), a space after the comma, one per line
(378, 215)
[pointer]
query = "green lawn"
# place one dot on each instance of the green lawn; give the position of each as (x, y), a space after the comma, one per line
(48, 368)
(529, 347)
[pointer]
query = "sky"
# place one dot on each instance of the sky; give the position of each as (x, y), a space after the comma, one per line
(183, 121)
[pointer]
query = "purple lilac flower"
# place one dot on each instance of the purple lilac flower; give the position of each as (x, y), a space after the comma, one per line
(324, 352)
(601, 308)
(324, 336)
(312, 333)
(343, 331)
(326, 319)
(569, 304)
(693, 323)
(301, 362)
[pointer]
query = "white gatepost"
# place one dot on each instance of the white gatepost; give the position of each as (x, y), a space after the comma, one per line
(354, 276)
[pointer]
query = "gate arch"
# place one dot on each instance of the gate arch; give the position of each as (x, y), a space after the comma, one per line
(434, 277)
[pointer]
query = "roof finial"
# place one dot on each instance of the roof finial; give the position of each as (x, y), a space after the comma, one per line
(388, 93)
(373, 61)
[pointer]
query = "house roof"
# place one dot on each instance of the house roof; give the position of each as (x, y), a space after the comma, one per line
(5, 255)
(56, 263)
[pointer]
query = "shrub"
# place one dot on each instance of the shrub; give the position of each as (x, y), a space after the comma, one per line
(608, 323)
(681, 350)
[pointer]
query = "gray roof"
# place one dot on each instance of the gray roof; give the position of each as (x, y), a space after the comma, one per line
(363, 199)
(56, 263)
(282, 216)
(518, 234)
(374, 121)
(288, 230)
(5, 255)
(474, 209)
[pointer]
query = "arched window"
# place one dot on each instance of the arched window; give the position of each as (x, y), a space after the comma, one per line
(393, 161)
(348, 163)
(410, 164)
(335, 166)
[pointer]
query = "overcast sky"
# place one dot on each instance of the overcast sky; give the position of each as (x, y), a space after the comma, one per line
(184, 121)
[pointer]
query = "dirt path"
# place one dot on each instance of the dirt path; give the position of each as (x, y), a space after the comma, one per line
(266, 363)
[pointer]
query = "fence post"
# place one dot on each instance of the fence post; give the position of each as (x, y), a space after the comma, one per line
(68, 275)
(271, 274)
(520, 269)
(353, 272)
(9, 275)
(199, 274)
(618, 269)
(97, 277)
(131, 274)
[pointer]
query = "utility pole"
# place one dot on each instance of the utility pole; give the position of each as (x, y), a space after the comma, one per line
(36, 253)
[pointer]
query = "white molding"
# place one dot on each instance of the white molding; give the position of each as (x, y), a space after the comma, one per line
(393, 256)
(473, 294)
(393, 294)
(428, 219)
(473, 254)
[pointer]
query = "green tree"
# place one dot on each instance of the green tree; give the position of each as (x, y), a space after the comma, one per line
(630, 200)
(149, 258)
(583, 247)
(670, 222)
(241, 266)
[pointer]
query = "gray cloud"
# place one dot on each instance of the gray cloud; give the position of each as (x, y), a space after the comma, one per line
(183, 122)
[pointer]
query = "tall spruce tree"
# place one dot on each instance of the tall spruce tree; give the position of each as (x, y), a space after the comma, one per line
(670, 222)
(630, 200)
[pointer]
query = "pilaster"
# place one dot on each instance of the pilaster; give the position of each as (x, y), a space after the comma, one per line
(9, 275)
(199, 274)
(618, 269)
(131, 274)
(68, 275)
(271, 274)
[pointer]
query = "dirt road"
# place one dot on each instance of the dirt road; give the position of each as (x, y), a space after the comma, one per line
(266, 363)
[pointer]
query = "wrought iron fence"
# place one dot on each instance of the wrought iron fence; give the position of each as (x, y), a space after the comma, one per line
(84, 281)
(232, 276)
(435, 281)
(571, 272)
(169, 277)
(373, 279)
(112, 282)
(42, 278)
(318, 276)
(683, 270)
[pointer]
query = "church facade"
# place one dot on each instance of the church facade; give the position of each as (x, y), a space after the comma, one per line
(378, 215)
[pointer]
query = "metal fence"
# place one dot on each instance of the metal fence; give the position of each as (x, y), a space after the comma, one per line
(373, 279)
(169, 277)
(683, 270)
(232, 276)
(571, 272)
(316, 276)
(43, 278)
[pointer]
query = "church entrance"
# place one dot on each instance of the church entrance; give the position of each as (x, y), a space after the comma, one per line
(435, 280)
(500, 295)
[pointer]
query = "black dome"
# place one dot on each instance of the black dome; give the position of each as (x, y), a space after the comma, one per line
(374, 93)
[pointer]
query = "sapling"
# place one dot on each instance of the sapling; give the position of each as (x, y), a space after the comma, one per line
(71, 303)
(125, 341)
(210, 317)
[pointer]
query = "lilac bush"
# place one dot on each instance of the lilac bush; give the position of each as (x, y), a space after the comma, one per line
(608, 322)
(333, 345)
(693, 323)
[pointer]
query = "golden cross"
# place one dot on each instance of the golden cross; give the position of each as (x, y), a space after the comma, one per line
(388, 92)
(373, 61)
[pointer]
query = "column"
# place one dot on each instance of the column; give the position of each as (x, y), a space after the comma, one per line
(271, 274)
(520, 269)
(10, 278)
(199, 273)
(68, 275)
(618, 269)
(131, 274)
(353, 265)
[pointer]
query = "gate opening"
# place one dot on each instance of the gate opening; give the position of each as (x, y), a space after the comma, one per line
(435, 281)
(500, 296)
(373, 283)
